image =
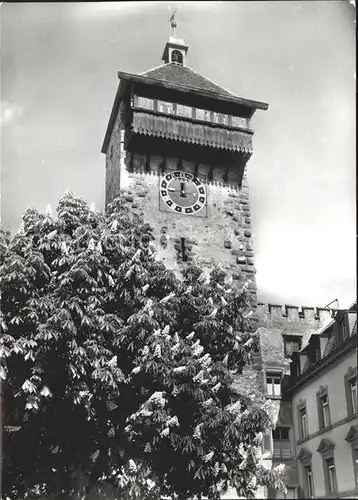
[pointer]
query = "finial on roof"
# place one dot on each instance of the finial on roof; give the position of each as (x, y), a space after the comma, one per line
(175, 49)
(172, 20)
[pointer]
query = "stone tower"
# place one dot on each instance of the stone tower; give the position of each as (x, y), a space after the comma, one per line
(180, 144)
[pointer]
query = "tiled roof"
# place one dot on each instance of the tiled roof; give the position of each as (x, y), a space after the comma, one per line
(185, 77)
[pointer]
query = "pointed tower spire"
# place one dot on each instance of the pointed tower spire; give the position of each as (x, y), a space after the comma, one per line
(175, 49)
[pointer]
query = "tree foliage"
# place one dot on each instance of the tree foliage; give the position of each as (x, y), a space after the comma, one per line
(114, 371)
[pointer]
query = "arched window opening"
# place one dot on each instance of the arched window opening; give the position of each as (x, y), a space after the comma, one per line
(177, 57)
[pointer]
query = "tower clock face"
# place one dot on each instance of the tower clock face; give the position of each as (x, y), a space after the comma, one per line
(182, 192)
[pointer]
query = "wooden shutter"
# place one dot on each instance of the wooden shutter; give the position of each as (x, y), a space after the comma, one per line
(319, 409)
(300, 430)
(348, 395)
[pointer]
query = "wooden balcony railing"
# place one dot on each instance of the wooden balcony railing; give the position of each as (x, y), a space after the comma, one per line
(174, 128)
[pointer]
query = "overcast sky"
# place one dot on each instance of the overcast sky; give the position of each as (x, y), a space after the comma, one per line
(59, 77)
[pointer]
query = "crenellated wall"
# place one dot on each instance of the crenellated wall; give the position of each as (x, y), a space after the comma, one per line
(273, 322)
(285, 314)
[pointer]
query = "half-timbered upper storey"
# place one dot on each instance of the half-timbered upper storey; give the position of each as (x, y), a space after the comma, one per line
(173, 102)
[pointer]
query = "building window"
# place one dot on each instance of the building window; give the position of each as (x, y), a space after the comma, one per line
(331, 480)
(144, 102)
(290, 493)
(177, 57)
(325, 410)
(308, 481)
(184, 110)
(273, 384)
(324, 418)
(291, 344)
(238, 121)
(281, 442)
(355, 463)
(350, 382)
(342, 329)
(305, 458)
(303, 422)
(352, 438)
(326, 448)
(184, 256)
(203, 114)
(166, 107)
(352, 322)
(221, 118)
(266, 442)
(353, 394)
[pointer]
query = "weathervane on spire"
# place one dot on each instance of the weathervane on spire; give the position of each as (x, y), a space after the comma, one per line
(172, 20)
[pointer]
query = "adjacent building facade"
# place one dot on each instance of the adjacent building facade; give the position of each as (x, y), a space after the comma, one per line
(179, 144)
(322, 390)
(283, 330)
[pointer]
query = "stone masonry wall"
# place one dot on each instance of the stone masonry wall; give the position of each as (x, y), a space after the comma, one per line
(275, 321)
(222, 238)
(114, 158)
(219, 239)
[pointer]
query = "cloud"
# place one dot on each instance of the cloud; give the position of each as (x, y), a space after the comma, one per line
(9, 112)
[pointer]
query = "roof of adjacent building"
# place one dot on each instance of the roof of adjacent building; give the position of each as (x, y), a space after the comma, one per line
(335, 347)
(184, 76)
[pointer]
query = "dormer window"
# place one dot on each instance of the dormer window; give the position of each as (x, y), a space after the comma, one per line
(177, 57)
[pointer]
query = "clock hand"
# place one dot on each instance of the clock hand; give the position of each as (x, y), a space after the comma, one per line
(183, 190)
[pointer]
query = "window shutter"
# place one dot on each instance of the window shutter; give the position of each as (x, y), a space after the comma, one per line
(300, 493)
(300, 430)
(348, 395)
(329, 411)
(326, 478)
(319, 408)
